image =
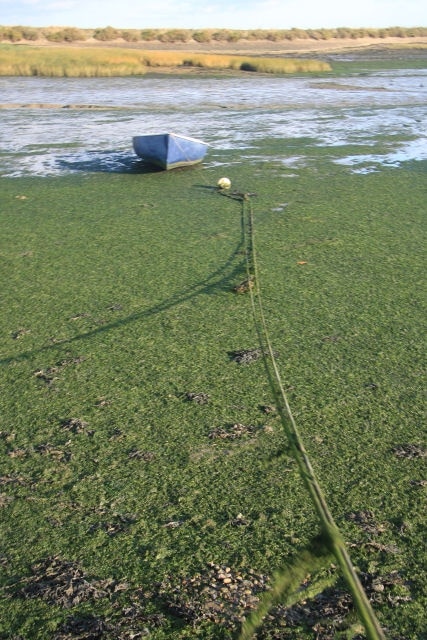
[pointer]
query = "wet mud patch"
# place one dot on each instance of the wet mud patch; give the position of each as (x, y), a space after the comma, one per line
(409, 451)
(43, 449)
(118, 524)
(15, 335)
(344, 87)
(49, 449)
(366, 521)
(83, 627)
(217, 594)
(55, 105)
(63, 583)
(198, 398)
(268, 409)
(144, 456)
(246, 356)
(245, 286)
(74, 425)
(7, 436)
(324, 615)
(331, 611)
(13, 479)
(232, 431)
(50, 374)
(5, 500)
(18, 452)
(226, 597)
(418, 483)
(132, 623)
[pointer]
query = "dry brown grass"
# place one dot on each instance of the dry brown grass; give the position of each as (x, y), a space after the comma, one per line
(93, 62)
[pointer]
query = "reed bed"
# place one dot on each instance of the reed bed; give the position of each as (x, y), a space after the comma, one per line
(88, 62)
(188, 59)
(63, 62)
(283, 65)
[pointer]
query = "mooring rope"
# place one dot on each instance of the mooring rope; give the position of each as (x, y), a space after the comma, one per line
(331, 535)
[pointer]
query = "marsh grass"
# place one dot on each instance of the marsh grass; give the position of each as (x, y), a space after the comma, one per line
(117, 302)
(63, 62)
(90, 62)
(283, 66)
(110, 34)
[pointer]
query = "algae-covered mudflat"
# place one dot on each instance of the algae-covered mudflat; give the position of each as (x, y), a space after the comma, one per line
(148, 488)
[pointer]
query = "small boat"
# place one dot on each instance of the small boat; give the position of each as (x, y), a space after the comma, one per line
(169, 150)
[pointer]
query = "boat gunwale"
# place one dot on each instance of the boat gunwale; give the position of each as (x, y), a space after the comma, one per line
(176, 135)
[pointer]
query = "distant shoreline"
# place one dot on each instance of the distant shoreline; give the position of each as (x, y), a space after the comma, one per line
(255, 47)
(117, 57)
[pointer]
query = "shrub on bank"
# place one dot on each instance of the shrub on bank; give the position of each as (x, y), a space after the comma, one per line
(66, 35)
(175, 35)
(107, 34)
(148, 34)
(15, 34)
(204, 35)
(130, 35)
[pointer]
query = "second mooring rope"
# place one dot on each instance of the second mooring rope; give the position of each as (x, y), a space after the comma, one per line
(331, 535)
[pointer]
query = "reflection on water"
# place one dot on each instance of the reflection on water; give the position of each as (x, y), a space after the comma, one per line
(232, 114)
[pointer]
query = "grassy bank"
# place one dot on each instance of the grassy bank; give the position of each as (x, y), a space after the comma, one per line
(89, 62)
(146, 481)
(110, 34)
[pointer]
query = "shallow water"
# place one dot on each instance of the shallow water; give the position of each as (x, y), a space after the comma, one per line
(90, 122)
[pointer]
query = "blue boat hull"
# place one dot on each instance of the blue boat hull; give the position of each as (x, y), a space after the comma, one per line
(169, 150)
